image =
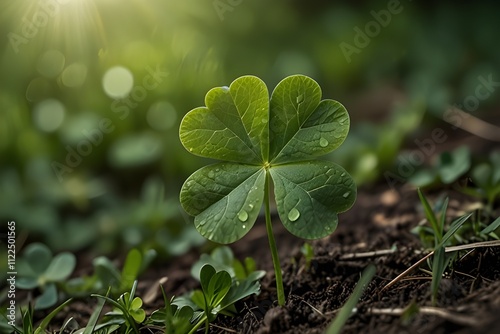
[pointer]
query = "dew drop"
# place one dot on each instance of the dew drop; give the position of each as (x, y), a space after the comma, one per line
(323, 142)
(250, 206)
(346, 194)
(243, 215)
(343, 174)
(293, 215)
(300, 98)
(211, 174)
(264, 120)
(244, 226)
(190, 149)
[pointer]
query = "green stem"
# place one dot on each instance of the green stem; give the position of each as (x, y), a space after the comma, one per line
(272, 245)
(198, 324)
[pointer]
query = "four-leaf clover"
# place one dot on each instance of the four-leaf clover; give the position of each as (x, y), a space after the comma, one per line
(260, 138)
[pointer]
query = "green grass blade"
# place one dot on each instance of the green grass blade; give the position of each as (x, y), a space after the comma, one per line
(438, 267)
(49, 317)
(453, 229)
(431, 217)
(491, 227)
(442, 217)
(346, 310)
(89, 329)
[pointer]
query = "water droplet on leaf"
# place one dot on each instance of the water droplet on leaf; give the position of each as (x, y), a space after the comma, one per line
(243, 215)
(343, 174)
(293, 215)
(300, 98)
(211, 174)
(244, 226)
(323, 142)
(250, 206)
(346, 194)
(264, 120)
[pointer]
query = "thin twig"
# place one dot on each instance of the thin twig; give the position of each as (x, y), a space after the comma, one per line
(477, 126)
(224, 328)
(445, 314)
(492, 243)
(407, 271)
(367, 254)
(314, 308)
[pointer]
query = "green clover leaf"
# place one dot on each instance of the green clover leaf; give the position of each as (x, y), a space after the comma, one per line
(259, 137)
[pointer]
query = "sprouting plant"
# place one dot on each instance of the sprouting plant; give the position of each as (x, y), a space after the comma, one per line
(308, 252)
(222, 258)
(440, 259)
(224, 281)
(266, 140)
(27, 320)
(347, 310)
(219, 292)
(107, 275)
(38, 268)
(486, 178)
(127, 311)
(174, 319)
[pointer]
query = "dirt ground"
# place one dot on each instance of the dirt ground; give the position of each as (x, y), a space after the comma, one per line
(376, 230)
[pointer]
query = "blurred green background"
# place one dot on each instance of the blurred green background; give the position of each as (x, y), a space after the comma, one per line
(92, 94)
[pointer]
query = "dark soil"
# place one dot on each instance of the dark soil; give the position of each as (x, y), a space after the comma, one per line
(380, 221)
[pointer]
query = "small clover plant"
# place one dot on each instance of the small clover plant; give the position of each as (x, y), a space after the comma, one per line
(176, 320)
(263, 140)
(127, 311)
(486, 178)
(39, 268)
(107, 275)
(218, 295)
(222, 258)
(449, 167)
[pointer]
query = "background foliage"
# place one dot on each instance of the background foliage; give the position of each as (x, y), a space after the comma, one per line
(54, 96)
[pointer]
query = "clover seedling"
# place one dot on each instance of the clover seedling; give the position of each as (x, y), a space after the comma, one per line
(448, 168)
(486, 177)
(127, 310)
(263, 140)
(39, 268)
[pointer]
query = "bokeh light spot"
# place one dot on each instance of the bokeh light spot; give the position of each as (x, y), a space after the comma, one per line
(74, 75)
(51, 63)
(161, 115)
(38, 89)
(118, 82)
(48, 115)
